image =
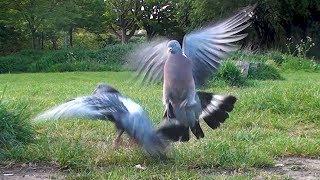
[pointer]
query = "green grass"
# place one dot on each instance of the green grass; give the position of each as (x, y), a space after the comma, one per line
(271, 119)
(15, 127)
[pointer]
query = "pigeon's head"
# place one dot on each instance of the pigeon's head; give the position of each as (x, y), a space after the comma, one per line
(174, 47)
(104, 88)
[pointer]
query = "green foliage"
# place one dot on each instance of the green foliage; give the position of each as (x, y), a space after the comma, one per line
(273, 23)
(299, 48)
(276, 60)
(264, 71)
(9, 35)
(43, 23)
(15, 128)
(110, 58)
(295, 63)
(160, 18)
(277, 57)
(230, 73)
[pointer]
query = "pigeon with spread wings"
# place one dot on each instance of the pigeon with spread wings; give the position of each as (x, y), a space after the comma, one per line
(184, 68)
(107, 103)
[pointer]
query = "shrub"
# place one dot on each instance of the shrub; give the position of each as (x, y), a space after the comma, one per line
(296, 63)
(230, 73)
(111, 58)
(263, 71)
(282, 61)
(277, 57)
(15, 128)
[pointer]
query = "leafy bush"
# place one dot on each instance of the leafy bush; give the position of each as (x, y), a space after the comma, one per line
(277, 57)
(230, 73)
(110, 58)
(264, 71)
(15, 129)
(296, 63)
(248, 57)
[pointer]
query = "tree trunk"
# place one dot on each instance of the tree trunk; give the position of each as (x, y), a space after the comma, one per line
(42, 40)
(34, 39)
(54, 42)
(124, 38)
(38, 41)
(71, 36)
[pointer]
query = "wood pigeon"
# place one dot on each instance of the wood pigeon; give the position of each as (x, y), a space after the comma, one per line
(182, 69)
(106, 103)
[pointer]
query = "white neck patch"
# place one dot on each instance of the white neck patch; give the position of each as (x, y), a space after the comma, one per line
(131, 105)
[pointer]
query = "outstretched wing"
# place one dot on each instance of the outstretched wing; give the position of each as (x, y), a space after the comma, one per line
(91, 107)
(148, 60)
(206, 47)
(126, 114)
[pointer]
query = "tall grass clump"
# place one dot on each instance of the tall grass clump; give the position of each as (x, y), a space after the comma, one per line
(15, 127)
(274, 61)
(264, 71)
(228, 73)
(293, 63)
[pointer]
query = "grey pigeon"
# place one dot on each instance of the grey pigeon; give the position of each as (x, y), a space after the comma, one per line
(106, 103)
(182, 69)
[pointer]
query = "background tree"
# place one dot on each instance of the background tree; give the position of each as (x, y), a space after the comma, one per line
(274, 21)
(121, 17)
(158, 18)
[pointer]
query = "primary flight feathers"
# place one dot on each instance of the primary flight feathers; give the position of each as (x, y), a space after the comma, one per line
(205, 47)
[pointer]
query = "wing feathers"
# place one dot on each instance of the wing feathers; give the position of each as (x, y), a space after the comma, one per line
(210, 45)
(148, 60)
(126, 114)
(215, 108)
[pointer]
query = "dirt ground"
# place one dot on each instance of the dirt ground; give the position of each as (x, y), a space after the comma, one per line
(296, 168)
(30, 172)
(291, 168)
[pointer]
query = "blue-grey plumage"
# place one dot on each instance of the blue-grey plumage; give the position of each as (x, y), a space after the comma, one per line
(106, 103)
(183, 68)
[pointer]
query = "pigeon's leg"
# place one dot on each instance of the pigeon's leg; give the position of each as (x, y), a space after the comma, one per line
(132, 142)
(192, 109)
(168, 112)
(118, 140)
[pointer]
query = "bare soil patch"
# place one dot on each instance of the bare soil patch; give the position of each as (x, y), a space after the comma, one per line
(30, 172)
(297, 168)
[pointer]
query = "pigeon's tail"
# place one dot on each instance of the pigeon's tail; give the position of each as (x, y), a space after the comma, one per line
(171, 128)
(126, 114)
(215, 108)
(214, 111)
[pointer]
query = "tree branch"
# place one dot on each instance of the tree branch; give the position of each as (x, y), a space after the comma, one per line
(115, 32)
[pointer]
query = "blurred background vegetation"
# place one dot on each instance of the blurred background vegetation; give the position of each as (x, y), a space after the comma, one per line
(71, 35)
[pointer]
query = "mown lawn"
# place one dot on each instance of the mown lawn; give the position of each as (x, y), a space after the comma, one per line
(271, 119)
